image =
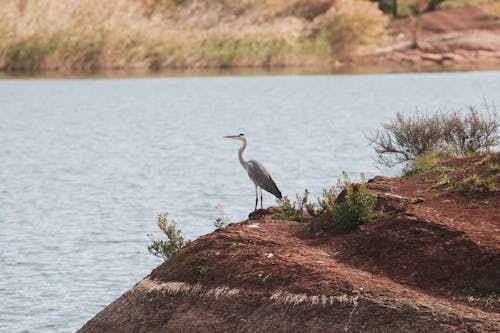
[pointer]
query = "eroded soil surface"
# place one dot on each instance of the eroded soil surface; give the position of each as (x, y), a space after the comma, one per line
(431, 263)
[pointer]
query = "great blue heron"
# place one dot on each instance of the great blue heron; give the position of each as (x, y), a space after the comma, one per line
(257, 172)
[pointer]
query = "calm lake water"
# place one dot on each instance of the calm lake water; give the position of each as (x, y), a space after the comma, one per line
(86, 164)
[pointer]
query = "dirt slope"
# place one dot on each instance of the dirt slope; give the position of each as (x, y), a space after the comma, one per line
(431, 264)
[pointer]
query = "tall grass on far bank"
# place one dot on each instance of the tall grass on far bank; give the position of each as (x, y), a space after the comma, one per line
(89, 35)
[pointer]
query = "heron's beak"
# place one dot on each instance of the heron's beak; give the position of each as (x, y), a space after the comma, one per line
(230, 136)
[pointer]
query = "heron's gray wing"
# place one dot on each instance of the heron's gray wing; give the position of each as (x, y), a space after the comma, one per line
(260, 176)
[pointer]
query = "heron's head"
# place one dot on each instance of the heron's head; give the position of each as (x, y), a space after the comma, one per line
(240, 136)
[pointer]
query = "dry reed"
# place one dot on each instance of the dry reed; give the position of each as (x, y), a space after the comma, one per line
(125, 34)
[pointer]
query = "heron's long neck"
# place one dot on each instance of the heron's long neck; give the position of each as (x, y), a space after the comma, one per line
(244, 163)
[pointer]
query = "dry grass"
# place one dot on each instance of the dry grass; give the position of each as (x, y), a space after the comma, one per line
(492, 10)
(350, 24)
(182, 288)
(92, 34)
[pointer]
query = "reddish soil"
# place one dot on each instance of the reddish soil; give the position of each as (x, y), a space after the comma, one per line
(432, 263)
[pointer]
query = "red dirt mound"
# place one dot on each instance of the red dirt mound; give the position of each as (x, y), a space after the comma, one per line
(432, 264)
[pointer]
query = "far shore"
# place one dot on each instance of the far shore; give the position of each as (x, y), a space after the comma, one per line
(360, 67)
(456, 39)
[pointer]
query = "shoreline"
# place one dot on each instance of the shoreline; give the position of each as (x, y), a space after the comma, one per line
(361, 66)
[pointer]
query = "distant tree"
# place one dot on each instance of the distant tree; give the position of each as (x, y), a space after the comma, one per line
(416, 7)
(388, 6)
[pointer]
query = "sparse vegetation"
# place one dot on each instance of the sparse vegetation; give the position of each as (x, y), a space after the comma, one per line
(221, 220)
(344, 206)
(450, 134)
(487, 181)
(294, 211)
(476, 183)
(174, 242)
(426, 163)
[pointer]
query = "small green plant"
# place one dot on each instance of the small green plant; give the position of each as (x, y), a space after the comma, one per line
(221, 220)
(174, 242)
(356, 206)
(294, 211)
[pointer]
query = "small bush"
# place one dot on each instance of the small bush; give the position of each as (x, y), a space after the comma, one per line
(357, 205)
(406, 138)
(174, 242)
(294, 211)
(348, 205)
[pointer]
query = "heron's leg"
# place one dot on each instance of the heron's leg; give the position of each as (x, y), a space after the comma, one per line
(261, 199)
(256, 198)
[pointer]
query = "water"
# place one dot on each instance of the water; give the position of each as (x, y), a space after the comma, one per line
(85, 165)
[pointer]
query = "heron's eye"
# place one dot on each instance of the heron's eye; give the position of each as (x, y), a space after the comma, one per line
(241, 134)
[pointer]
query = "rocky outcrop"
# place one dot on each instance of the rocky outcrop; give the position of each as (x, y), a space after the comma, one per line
(430, 264)
(458, 38)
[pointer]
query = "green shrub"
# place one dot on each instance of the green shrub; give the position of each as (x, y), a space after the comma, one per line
(348, 205)
(174, 242)
(294, 211)
(406, 138)
(357, 205)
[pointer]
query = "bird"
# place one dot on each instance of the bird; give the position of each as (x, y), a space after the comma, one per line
(257, 172)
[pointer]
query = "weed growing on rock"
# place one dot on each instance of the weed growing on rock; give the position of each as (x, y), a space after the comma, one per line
(174, 242)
